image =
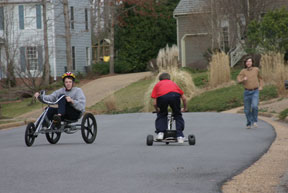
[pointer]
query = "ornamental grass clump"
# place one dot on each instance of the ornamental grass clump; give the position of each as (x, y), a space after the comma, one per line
(219, 70)
(167, 61)
(274, 71)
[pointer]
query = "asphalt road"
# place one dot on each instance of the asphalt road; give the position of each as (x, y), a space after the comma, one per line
(120, 162)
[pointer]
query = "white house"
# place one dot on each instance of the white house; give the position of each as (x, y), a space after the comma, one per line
(22, 39)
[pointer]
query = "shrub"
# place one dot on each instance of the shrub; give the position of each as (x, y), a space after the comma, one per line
(101, 68)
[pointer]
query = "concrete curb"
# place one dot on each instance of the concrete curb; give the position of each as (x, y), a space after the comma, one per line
(12, 124)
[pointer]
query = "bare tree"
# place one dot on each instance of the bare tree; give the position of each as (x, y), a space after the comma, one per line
(67, 35)
(46, 71)
(9, 35)
(112, 25)
(98, 29)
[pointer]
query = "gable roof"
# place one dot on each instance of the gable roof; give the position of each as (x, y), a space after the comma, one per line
(192, 6)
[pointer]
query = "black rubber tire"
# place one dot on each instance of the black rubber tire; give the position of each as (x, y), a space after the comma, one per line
(89, 128)
(29, 134)
(191, 140)
(53, 137)
(149, 140)
(167, 143)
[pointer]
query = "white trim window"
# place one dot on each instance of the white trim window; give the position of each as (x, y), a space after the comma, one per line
(32, 57)
(225, 34)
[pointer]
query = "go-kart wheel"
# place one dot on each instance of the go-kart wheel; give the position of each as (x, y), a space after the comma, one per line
(29, 134)
(53, 137)
(191, 140)
(89, 128)
(167, 143)
(149, 140)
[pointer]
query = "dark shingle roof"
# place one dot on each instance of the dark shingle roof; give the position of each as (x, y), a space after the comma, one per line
(192, 6)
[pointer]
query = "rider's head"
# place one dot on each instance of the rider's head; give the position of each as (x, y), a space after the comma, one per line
(68, 79)
(164, 76)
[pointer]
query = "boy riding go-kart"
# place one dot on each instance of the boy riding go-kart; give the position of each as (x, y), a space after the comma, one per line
(167, 93)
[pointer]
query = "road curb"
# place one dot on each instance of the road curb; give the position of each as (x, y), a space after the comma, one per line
(13, 124)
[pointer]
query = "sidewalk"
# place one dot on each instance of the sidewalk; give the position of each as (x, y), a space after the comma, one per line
(94, 91)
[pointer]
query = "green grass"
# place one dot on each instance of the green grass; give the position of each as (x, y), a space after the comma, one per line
(15, 109)
(200, 77)
(235, 72)
(127, 100)
(225, 98)
(283, 114)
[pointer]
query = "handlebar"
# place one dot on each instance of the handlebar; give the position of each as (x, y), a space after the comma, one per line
(42, 100)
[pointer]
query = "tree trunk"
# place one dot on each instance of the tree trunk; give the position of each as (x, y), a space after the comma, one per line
(98, 31)
(46, 70)
(112, 10)
(67, 36)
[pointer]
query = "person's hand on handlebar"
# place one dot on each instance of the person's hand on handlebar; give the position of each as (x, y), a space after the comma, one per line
(69, 99)
(184, 110)
(36, 95)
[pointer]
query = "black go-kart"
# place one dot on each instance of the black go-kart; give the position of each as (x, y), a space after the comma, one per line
(170, 135)
(53, 133)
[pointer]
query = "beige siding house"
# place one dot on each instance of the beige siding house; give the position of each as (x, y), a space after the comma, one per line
(200, 28)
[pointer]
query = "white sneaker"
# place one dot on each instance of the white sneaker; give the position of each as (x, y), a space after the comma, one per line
(180, 139)
(255, 125)
(248, 127)
(160, 136)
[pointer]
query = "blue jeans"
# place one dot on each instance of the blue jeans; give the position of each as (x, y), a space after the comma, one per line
(65, 109)
(171, 99)
(251, 99)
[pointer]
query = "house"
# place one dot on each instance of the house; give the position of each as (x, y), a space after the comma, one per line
(22, 39)
(203, 25)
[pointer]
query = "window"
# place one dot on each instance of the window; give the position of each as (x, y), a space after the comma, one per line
(86, 20)
(30, 17)
(225, 34)
(72, 17)
(31, 58)
(1, 18)
(73, 57)
(225, 39)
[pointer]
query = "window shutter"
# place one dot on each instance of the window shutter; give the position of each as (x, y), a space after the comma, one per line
(1, 18)
(22, 59)
(38, 17)
(21, 16)
(40, 58)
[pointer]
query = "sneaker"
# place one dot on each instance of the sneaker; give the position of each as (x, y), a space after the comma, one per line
(180, 139)
(248, 126)
(57, 120)
(160, 136)
(255, 125)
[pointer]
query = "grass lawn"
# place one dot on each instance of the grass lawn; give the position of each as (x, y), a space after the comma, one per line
(12, 110)
(131, 99)
(127, 100)
(225, 98)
